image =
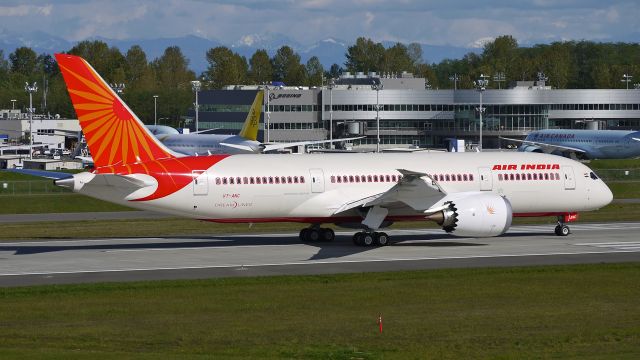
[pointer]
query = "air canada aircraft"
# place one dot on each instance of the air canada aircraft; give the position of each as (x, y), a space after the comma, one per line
(244, 143)
(467, 194)
(590, 144)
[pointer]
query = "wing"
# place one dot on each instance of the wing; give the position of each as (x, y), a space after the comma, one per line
(416, 190)
(546, 147)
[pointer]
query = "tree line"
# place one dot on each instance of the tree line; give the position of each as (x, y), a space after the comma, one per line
(568, 65)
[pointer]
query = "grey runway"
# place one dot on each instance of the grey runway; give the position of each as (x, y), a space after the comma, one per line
(189, 257)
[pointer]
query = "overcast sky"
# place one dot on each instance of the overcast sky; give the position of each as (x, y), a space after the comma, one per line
(465, 23)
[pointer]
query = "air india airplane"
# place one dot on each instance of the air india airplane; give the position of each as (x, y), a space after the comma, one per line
(468, 194)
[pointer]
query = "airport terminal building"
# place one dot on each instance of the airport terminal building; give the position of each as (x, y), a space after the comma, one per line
(411, 114)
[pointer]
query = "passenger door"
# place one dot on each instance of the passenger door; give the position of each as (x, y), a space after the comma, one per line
(317, 180)
(486, 181)
(569, 179)
(200, 182)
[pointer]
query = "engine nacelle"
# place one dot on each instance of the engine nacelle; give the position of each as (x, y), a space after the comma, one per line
(530, 148)
(474, 214)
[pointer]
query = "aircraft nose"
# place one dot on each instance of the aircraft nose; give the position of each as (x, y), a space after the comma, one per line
(604, 196)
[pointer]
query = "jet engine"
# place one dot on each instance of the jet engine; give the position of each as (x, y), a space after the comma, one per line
(476, 214)
(531, 148)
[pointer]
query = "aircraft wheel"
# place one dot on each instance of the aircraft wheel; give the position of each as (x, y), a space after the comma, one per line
(313, 234)
(382, 239)
(368, 239)
(303, 234)
(328, 235)
(562, 230)
(357, 238)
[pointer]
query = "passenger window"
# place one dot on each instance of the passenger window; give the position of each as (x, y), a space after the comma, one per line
(388, 178)
(557, 176)
(257, 180)
(270, 179)
(465, 177)
(295, 179)
(283, 180)
(447, 178)
(546, 176)
(369, 178)
(218, 181)
(231, 181)
(375, 178)
(301, 179)
(246, 180)
(535, 176)
(351, 178)
(511, 177)
(252, 180)
(517, 176)
(459, 177)
(277, 180)
(224, 181)
(470, 177)
(500, 177)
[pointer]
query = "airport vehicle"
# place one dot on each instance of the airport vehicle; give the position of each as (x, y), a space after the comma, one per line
(468, 194)
(590, 144)
(244, 143)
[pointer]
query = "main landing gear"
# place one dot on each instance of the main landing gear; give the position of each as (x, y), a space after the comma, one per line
(316, 233)
(368, 238)
(561, 228)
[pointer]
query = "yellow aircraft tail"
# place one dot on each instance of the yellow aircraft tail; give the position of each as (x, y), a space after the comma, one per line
(250, 128)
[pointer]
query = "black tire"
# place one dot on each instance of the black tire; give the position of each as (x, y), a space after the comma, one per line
(357, 239)
(313, 235)
(564, 230)
(368, 239)
(328, 235)
(303, 234)
(382, 239)
(557, 230)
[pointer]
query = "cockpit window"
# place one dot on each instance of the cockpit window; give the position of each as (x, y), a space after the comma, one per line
(593, 175)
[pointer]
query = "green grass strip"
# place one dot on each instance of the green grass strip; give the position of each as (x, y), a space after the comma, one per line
(578, 311)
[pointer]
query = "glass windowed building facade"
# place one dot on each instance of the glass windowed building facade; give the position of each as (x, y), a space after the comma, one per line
(409, 114)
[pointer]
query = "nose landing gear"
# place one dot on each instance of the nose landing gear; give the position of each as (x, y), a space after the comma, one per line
(562, 229)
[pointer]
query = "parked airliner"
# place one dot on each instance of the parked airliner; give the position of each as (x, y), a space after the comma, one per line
(244, 143)
(468, 194)
(590, 144)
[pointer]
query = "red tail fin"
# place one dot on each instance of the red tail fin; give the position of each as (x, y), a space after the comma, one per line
(114, 133)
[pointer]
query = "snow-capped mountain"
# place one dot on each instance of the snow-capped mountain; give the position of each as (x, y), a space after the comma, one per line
(329, 51)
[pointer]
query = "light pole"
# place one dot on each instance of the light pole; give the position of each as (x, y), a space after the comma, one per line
(331, 85)
(481, 86)
(13, 104)
(195, 85)
(30, 89)
(455, 78)
(377, 88)
(499, 78)
(155, 110)
(626, 79)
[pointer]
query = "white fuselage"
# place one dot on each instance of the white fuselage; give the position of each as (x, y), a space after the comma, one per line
(308, 189)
